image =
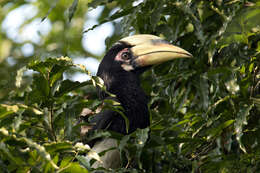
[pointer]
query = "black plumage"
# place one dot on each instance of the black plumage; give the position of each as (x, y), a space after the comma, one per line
(120, 70)
(126, 86)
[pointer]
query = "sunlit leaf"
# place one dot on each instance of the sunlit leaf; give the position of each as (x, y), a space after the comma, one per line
(141, 138)
(58, 147)
(241, 121)
(74, 167)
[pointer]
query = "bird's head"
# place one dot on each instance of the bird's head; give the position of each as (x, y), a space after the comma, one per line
(134, 54)
(120, 70)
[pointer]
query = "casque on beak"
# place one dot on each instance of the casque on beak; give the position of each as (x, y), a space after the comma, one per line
(150, 50)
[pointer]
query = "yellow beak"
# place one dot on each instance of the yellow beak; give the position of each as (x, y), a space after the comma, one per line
(150, 50)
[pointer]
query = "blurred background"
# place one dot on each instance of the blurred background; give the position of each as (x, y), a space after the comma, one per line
(34, 29)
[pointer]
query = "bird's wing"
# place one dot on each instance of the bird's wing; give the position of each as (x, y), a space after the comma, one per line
(103, 119)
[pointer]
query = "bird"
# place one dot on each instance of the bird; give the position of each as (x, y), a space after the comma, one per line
(120, 69)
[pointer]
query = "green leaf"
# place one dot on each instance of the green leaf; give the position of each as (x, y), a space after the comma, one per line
(56, 74)
(45, 67)
(65, 162)
(99, 134)
(4, 113)
(141, 138)
(6, 110)
(241, 26)
(156, 14)
(48, 167)
(83, 161)
(74, 167)
(240, 121)
(50, 9)
(40, 91)
(256, 102)
(123, 144)
(17, 122)
(41, 150)
(10, 155)
(19, 76)
(218, 130)
(38, 66)
(69, 116)
(204, 91)
(73, 9)
(58, 147)
(115, 106)
(117, 15)
(95, 3)
(68, 86)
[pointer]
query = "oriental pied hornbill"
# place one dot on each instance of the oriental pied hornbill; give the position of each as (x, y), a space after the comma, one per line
(120, 70)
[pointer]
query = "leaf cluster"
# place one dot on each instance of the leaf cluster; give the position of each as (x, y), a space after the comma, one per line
(39, 129)
(204, 111)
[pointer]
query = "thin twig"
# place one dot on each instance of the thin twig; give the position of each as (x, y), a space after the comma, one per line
(52, 126)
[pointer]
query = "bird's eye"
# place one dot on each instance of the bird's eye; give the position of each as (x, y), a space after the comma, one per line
(125, 55)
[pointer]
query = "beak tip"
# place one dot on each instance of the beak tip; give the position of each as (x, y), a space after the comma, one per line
(187, 54)
(190, 55)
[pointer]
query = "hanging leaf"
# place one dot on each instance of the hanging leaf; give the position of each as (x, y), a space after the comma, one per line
(117, 15)
(73, 9)
(240, 122)
(95, 3)
(68, 85)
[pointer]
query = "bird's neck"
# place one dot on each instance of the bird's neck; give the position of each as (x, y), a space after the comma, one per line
(133, 99)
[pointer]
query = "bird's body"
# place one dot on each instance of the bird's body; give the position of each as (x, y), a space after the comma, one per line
(126, 87)
(120, 70)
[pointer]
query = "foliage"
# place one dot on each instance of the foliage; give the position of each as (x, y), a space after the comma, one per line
(204, 111)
